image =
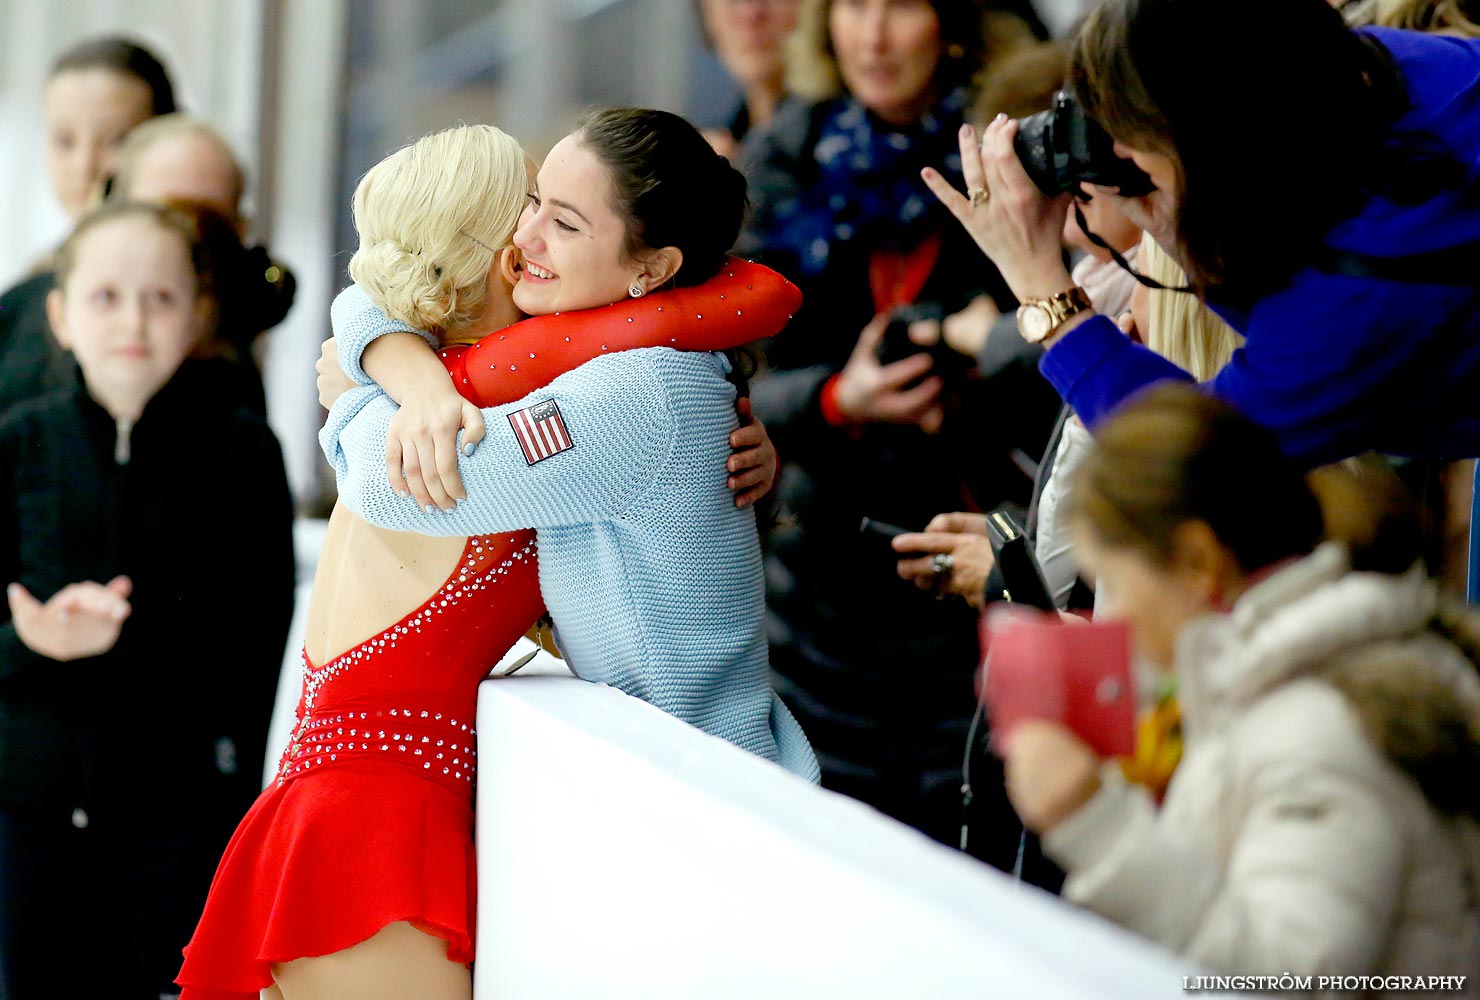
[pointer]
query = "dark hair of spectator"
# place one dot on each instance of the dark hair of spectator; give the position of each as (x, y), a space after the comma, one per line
(1276, 115)
(124, 57)
(253, 293)
(1175, 455)
(669, 185)
(162, 215)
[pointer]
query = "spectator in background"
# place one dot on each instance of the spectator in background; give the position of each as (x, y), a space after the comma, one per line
(971, 572)
(748, 36)
(1322, 821)
(879, 674)
(1173, 324)
(141, 647)
(183, 161)
(178, 157)
(96, 92)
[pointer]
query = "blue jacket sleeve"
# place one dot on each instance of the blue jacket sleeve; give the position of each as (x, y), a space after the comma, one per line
(1094, 366)
(615, 414)
(1330, 364)
(357, 322)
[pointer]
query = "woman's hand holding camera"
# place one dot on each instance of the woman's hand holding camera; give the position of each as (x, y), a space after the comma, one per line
(962, 537)
(1005, 213)
(868, 392)
(1050, 773)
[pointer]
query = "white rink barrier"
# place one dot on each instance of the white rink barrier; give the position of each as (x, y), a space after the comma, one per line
(623, 854)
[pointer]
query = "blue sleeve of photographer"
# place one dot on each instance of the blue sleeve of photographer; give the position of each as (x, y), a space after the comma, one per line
(1340, 362)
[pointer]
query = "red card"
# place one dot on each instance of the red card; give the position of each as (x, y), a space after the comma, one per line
(1038, 667)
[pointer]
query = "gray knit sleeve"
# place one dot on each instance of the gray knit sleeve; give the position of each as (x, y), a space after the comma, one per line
(585, 448)
(357, 321)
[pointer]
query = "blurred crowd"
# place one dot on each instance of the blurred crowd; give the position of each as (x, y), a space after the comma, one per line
(1230, 409)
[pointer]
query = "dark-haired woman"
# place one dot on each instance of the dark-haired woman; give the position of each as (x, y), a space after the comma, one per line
(878, 672)
(1342, 243)
(1323, 818)
(96, 92)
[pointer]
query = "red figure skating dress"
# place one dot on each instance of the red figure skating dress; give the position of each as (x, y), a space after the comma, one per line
(370, 819)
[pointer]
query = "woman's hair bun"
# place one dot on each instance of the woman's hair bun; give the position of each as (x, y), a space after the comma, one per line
(409, 285)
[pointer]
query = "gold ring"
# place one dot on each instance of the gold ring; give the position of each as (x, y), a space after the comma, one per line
(979, 196)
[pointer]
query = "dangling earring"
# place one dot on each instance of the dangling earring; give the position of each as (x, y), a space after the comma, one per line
(635, 290)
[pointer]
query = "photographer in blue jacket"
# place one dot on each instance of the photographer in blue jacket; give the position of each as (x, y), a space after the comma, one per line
(1318, 186)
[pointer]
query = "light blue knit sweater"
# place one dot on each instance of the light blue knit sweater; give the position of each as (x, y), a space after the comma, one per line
(651, 573)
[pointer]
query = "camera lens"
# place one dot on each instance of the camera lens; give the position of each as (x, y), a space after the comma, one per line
(1034, 147)
(1063, 148)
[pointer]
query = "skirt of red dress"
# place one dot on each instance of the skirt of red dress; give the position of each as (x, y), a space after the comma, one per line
(324, 861)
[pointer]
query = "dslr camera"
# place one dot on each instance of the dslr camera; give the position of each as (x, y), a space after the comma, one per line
(1062, 148)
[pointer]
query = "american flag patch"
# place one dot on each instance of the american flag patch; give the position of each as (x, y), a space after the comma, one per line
(540, 431)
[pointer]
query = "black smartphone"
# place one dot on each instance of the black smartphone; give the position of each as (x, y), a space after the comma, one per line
(879, 534)
(1022, 577)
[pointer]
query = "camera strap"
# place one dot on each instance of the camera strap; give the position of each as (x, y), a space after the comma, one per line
(1115, 255)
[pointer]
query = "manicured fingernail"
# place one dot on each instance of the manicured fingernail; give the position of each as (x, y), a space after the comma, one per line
(1001, 116)
(966, 129)
(470, 447)
(403, 493)
(432, 508)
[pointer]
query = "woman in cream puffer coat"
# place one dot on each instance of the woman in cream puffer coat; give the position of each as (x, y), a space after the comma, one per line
(1322, 819)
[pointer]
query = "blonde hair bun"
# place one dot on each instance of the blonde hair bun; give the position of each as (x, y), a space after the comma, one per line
(407, 285)
(431, 217)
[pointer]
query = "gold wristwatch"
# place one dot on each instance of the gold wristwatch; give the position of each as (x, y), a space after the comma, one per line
(1037, 319)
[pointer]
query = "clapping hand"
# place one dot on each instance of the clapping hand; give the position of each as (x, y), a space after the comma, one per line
(80, 620)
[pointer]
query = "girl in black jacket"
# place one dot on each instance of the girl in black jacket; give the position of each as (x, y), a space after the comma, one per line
(146, 533)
